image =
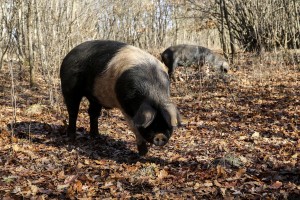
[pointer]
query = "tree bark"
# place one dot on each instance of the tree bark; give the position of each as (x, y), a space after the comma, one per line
(30, 45)
(231, 37)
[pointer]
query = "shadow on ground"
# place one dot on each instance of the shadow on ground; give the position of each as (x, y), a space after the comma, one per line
(101, 147)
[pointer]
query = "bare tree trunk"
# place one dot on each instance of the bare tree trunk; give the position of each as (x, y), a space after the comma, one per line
(296, 28)
(30, 45)
(231, 37)
(6, 19)
(222, 29)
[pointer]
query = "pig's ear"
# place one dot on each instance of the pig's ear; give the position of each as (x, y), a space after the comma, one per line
(144, 116)
(171, 115)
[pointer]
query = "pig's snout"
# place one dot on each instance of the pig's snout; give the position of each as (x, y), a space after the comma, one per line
(160, 140)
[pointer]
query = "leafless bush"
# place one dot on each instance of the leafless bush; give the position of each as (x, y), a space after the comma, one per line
(38, 34)
(254, 25)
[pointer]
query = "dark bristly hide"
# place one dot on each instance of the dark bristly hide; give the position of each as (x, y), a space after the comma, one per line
(185, 55)
(112, 74)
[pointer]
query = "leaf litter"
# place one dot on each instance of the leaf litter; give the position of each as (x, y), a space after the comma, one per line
(239, 140)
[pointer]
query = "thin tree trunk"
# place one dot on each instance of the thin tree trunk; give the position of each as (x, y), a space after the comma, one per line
(222, 30)
(231, 37)
(30, 46)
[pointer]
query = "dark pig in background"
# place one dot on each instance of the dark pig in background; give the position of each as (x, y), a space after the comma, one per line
(185, 55)
(112, 74)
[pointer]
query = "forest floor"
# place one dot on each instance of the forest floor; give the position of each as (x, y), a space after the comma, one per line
(240, 139)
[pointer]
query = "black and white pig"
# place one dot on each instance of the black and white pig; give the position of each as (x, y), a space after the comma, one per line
(112, 74)
(184, 55)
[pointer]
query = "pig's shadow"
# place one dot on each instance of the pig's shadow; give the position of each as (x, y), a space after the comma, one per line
(103, 146)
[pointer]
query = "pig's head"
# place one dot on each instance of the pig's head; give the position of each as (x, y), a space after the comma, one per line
(155, 124)
(224, 67)
(221, 67)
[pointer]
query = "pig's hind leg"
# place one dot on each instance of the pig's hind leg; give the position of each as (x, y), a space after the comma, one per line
(94, 113)
(72, 103)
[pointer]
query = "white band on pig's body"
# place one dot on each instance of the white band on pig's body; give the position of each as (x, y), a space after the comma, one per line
(127, 57)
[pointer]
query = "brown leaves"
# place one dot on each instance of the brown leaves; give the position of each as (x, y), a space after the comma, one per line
(240, 173)
(221, 172)
(276, 185)
(74, 188)
(162, 174)
(35, 109)
(238, 141)
(18, 148)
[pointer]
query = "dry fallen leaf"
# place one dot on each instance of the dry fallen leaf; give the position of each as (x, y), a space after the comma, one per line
(216, 182)
(34, 189)
(276, 185)
(243, 137)
(61, 175)
(107, 185)
(18, 148)
(162, 174)
(77, 186)
(255, 135)
(35, 109)
(197, 186)
(70, 179)
(221, 171)
(62, 187)
(208, 183)
(240, 173)
(100, 162)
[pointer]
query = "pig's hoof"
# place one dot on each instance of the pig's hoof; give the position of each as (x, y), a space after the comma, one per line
(71, 136)
(143, 149)
(94, 135)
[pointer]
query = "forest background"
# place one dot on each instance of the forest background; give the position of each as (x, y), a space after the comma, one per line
(240, 138)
